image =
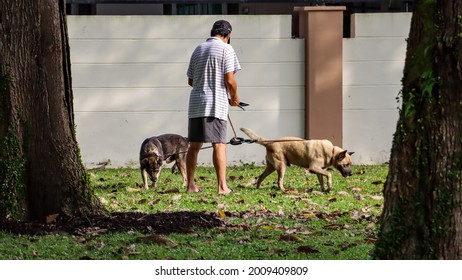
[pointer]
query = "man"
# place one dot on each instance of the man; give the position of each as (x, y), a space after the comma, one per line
(211, 75)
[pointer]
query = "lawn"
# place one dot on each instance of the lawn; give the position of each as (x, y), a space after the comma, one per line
(167, 223)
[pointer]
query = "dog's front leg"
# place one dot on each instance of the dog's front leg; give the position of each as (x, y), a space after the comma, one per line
(182, 167)
(321, 182)
(320, 173)
(329, 182)
(144, 175)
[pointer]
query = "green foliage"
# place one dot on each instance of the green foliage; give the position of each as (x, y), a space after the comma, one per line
(265, 223)
(12, 188)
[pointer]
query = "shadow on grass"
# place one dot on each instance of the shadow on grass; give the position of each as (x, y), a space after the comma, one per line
(162, 223)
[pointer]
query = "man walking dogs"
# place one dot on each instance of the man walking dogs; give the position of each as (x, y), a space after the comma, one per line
(211, 76)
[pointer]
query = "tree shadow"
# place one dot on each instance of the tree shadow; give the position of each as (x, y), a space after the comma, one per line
(162, 223)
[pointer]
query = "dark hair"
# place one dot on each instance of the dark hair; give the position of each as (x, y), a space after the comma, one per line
(222, 28)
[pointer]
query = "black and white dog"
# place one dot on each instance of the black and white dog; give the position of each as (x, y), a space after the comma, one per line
(157, 150)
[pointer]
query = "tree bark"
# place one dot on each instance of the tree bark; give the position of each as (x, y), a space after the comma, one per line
(41, 170)
(422, 216)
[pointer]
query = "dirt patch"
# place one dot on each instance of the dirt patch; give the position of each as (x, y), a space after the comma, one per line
(162, 223)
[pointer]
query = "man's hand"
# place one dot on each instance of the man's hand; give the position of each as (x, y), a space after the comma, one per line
(234, 101)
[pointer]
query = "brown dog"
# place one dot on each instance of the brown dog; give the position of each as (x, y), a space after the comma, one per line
(315, 155)
(159, 149)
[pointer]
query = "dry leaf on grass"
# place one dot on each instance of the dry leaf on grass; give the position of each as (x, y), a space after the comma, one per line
(176, 197)
(132, 189)
(289, 238)
(307, 250)
(173, 190)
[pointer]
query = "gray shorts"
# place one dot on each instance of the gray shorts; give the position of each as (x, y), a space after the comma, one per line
(207, 130)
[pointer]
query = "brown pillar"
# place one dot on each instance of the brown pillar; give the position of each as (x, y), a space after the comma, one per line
(322, 28)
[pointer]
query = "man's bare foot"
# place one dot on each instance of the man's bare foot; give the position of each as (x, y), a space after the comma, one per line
(224, 191)
(194, 189)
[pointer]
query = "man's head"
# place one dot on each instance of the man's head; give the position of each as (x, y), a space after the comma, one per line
(222, 28)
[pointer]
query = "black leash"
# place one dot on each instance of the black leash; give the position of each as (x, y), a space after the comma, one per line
(239, 140)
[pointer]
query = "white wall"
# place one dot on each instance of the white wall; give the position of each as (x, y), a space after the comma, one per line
(373, 63)
(129, 81)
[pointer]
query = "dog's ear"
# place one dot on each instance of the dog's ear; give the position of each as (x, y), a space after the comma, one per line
(341, 155)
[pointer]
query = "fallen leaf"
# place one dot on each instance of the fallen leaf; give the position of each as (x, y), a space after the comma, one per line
(366, 209)
(202, 178)
(174, 190)
(202, 199)
(250, 183)
(346, 246)
(128, 189)
(221, 213)
(307, 250)
(176, 197)
(143, 201)
(51, 218)
(378, 182)
(290, 191)
(290, 238)
(355, 215)
(309, 215)
(342, 193)
(81, 239)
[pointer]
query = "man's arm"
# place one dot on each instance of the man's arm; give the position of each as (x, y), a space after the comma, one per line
(231, 87)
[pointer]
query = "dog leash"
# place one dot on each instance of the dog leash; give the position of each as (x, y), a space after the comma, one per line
(239, 140)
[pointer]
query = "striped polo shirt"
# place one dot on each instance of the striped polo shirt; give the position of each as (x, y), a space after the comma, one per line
(209, 63)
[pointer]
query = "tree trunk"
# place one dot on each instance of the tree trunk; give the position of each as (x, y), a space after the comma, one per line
(422, 216)
(41, 172)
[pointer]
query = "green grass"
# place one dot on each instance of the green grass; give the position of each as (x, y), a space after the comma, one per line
(265, 223)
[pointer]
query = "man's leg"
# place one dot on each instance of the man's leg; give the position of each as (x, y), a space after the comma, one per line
(219, 162)
(191, 163)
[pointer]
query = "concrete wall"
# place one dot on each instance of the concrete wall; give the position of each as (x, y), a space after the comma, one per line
(129, 80)
(373, 63)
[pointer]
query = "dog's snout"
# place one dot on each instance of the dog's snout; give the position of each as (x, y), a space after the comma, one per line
(346, 172)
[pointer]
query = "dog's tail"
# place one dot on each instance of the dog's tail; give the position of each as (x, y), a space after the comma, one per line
(252, 134)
